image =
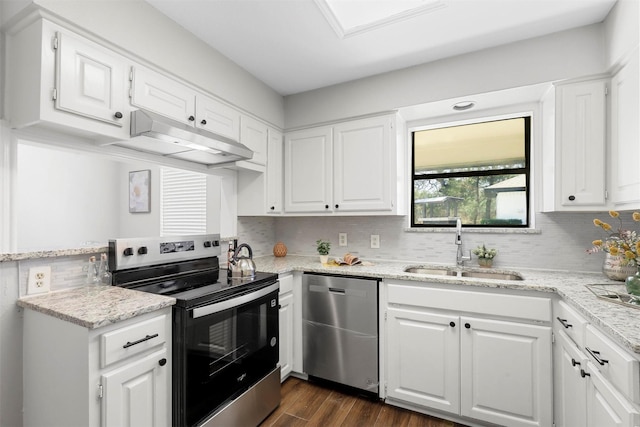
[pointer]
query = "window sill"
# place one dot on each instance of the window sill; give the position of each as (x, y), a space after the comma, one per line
(496, 230)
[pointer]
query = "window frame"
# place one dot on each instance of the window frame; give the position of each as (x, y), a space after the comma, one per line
(526, 170)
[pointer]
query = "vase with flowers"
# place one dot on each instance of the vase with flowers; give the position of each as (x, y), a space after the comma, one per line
(624, 246)
(485, 256)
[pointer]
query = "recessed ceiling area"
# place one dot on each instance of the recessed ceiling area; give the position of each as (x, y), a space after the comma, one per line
(348, 18)
(298, 45)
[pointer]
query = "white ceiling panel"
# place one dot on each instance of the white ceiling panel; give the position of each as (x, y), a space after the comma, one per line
(298, 45)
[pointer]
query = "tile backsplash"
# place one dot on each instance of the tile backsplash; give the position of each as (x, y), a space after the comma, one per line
(559, 241)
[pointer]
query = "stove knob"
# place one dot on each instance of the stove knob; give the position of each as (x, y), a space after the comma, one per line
(216, 243)
(142, 250)
(127, 252)
(207, 244)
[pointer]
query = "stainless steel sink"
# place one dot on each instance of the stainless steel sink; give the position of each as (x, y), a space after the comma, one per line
(450, 271)
(432, 271)
(492, 275)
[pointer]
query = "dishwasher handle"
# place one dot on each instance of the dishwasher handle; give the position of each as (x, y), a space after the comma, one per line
(337, 291)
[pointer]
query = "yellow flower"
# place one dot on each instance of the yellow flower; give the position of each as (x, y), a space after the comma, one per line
(613, 250)
(614, 214)
(636, 216)
(638, 247)
(629, 255)
(597, 222)
(605, 226)
(597, 242)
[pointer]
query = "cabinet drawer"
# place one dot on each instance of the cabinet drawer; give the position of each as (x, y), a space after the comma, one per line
(286, 283)
(615, 364)
(568, 320)
(130, 340)
(515, 306)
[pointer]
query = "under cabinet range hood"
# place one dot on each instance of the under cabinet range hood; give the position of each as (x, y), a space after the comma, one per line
(171, 138)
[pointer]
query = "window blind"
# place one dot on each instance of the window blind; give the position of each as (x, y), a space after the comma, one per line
(183, 202)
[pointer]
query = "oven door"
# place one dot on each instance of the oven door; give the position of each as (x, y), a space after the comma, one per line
(228, 346)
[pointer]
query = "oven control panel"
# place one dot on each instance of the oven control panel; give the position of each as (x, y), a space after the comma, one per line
(140, 252)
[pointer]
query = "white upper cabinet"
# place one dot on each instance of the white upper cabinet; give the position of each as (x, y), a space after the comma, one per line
(255, 135)
(217, 117)
(163, 95)
(90, 80)
(580, 145)
(362, 161)
(308, 170)
(153, 91)
(625, 136)
(260, 186)
(57, 79)
(274, 172)
(351, 167)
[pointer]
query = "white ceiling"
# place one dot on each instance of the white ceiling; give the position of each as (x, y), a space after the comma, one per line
(298, 45)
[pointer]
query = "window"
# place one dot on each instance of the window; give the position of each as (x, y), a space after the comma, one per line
(183, 203)
(478, 172)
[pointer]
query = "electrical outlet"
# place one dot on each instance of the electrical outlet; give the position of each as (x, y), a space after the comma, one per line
(39, 280)
(342, 239)
(375, 241)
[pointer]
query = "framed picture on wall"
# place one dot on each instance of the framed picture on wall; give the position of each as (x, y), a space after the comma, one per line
(140, 191)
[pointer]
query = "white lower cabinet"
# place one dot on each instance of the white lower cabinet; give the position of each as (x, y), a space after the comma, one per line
(597, 383)
(286, 335)
(134, 394)
(475, 367)
(116, 375)
(423, 359)
(505, 372)
(286, 325)
(583, 396)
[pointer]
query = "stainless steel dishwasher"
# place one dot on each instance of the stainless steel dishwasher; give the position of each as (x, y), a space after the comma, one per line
(340, 329)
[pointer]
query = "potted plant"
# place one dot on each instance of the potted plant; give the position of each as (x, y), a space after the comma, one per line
(323, 248)
(485, 256)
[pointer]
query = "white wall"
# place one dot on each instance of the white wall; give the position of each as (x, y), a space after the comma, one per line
(622, 32)
(558, 56)
(64, 199)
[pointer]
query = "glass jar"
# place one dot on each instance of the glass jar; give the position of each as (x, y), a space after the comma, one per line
(633, 283)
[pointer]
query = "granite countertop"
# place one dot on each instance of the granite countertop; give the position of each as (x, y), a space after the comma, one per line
(50, 253)
(95, 306)
(621, 323)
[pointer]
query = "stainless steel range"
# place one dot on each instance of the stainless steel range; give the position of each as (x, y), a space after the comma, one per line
(225, 330)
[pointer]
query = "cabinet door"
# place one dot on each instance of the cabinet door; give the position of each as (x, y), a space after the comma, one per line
(506, 375)
(362, 165)
(581, 144)
(570, 386)
(90, 80)
(274, 172)
(605, 406)
(286, 335)
(162, 95)
(217, 117)
(254, 135)
(625, 129)
(423, 359)
(138, 394)
(308, 183)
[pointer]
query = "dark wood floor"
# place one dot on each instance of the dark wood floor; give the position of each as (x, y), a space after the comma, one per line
(309, 404)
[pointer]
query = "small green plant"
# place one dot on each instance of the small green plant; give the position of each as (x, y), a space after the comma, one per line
(323, 247)
(483, 252)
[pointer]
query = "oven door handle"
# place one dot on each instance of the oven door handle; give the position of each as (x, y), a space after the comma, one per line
(234, 302)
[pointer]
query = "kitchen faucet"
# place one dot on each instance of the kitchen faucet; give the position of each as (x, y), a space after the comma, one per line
(460, 259)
